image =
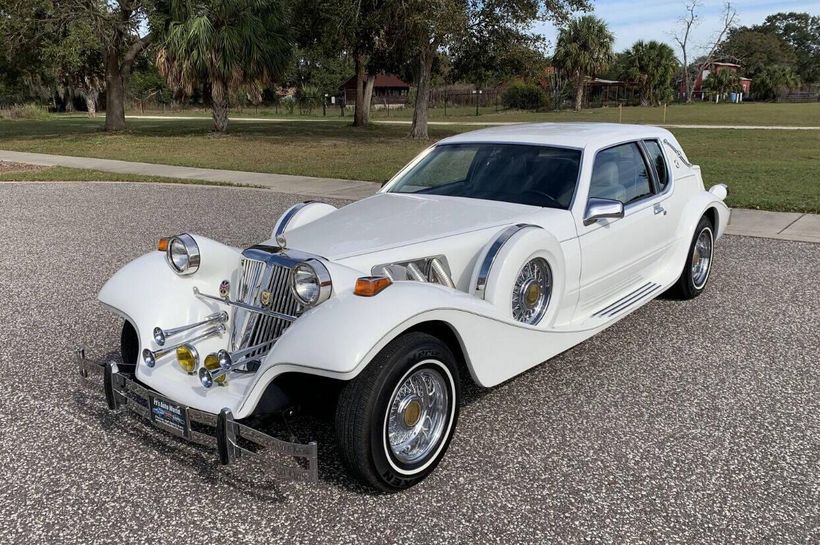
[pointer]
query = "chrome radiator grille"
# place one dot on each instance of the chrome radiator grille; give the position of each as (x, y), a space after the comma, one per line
(250, 328)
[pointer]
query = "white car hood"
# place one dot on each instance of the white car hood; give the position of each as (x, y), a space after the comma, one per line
(390, 220)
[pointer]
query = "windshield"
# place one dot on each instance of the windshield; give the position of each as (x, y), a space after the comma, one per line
(517, 173)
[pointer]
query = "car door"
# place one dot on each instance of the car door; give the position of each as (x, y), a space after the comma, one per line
(619, 255)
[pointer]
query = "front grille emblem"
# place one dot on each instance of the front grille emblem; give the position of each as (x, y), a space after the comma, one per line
(225, 289)
(266, 297)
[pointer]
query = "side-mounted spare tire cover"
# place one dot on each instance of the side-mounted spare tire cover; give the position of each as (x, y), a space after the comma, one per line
(502, 260)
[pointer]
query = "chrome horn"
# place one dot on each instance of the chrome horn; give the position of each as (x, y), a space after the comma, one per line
(149, 357)
(161, 335)
(228, 362)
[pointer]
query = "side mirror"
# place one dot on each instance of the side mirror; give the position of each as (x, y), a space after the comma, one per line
(598, 209)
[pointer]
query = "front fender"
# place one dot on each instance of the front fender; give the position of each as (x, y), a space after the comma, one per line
(148, 293)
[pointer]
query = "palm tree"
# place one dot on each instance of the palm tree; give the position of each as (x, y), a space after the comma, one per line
(652, 65)
(773, 80)
(584, 49)
(227, 45)
(722, 82)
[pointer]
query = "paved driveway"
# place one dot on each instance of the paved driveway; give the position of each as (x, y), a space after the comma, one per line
(691, 422)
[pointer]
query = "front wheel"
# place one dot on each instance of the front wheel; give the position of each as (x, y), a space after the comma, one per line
(698, 265)
(395, 420)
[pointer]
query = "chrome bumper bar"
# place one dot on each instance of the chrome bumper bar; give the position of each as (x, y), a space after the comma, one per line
(231, 439)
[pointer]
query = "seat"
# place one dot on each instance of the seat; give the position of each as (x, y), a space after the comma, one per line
(606, 181)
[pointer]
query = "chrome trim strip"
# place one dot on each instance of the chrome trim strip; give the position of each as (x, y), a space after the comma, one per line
(627, 300)
(678, 152)
(250, 308)
(288, 216)
(489, 259)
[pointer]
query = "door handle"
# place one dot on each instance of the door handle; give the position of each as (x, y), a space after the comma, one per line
(657, 209)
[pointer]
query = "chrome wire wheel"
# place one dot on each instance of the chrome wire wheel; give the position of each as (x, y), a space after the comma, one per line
(531, 292)
(702, 258)
(418, 414)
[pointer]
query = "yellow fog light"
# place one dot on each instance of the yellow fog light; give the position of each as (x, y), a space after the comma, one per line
(211, 364)
(187, 358)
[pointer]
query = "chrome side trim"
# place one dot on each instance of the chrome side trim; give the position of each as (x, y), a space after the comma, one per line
(489, 259)
(288, 216)
(678, 152)
(250, 308)
(627, 301)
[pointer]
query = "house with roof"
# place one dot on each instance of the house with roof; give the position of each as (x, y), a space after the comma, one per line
(387, 89)
(714, 67)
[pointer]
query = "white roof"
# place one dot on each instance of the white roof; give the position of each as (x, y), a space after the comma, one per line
(572, 135)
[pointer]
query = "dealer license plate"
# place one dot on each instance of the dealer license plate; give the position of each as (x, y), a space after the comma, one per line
(166, 413)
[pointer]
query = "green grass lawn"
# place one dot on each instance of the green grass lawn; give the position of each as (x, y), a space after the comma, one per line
(748, 113)
(65, 174)
(773, 170)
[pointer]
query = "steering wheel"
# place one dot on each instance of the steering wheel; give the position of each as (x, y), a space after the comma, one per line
(552, 200)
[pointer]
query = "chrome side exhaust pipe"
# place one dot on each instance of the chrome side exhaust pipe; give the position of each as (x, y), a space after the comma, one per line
(230, 361)
(149, 357)
(161, 335)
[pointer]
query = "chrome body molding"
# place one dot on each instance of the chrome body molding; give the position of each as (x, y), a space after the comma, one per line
(434, 268)
(628, 300)
(677, 152)
(287, 216)
(489, 258)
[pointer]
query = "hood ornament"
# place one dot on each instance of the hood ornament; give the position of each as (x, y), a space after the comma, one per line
(281, 241)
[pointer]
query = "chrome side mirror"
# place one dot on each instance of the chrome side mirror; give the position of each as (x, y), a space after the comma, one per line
(598, 209)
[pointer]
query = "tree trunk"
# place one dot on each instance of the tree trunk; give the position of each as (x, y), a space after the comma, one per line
(368, 98)
(359, 119)
(579, 92)
(115, 92)
(91, 102)
(219, 106)
(425, 75)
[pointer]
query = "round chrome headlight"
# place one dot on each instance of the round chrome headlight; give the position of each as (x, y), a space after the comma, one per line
(183, 254)
(532, 291)
(310, 283)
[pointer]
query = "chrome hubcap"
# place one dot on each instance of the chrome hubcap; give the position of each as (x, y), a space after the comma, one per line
(531, 293)
(702, 258)
(417, 415)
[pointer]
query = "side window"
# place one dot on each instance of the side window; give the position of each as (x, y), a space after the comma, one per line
(620, 173)
(658, 162)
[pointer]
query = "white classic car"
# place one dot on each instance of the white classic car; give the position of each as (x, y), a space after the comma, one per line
(491, 252)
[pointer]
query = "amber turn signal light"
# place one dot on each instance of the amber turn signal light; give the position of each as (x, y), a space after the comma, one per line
(162, 245)
(368, 286)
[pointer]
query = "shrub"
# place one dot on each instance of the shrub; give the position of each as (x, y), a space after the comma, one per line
(24, 111)
(524, 96)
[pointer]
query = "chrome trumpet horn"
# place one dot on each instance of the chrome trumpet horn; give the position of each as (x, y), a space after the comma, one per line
(149, 357)
(230, 361)
(161, 335)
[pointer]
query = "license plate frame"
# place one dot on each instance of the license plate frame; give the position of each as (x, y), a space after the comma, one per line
(169, 415)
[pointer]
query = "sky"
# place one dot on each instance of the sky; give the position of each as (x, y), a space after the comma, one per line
(632, 20)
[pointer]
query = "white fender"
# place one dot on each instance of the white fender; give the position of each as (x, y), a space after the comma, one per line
(528, 243)
(300, 214)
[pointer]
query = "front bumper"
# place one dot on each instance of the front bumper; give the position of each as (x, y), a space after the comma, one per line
(232, 440)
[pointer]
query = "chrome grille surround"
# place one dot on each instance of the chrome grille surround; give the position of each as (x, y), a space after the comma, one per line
(264, 268)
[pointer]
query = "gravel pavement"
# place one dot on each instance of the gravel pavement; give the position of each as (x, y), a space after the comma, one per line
(687, 422)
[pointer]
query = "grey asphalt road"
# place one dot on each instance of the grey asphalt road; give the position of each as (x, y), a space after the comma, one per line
(687, 422)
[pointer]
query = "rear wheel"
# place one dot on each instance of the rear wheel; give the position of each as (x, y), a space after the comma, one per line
(395, 420)
(698, 265)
